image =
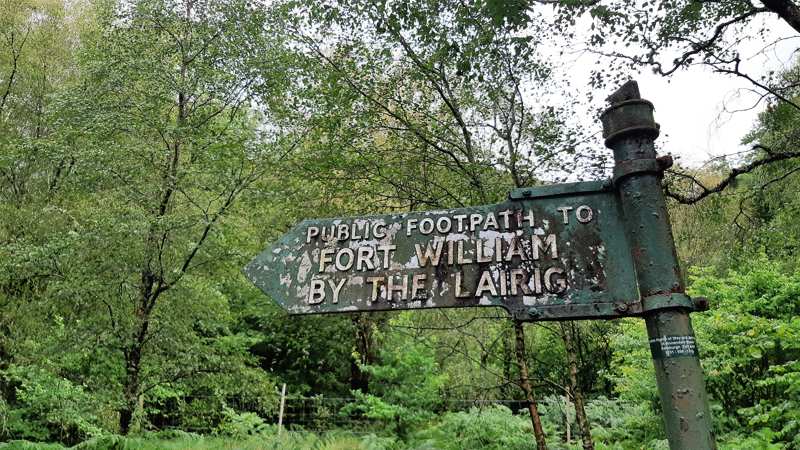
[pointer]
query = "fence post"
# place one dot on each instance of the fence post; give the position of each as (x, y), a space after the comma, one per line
(566, 418)
(280, 413)
(630, 130)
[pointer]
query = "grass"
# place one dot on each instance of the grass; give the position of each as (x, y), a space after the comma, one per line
(289, 440)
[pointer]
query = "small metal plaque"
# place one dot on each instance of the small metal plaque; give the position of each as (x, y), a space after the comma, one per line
(673, 347)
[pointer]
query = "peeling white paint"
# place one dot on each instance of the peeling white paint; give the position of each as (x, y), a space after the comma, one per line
(304, 268)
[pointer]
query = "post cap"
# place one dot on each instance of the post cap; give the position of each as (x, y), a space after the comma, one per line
(628, 115)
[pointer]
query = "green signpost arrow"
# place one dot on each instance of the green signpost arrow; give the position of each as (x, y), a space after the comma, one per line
(551, 252)
(591, 250)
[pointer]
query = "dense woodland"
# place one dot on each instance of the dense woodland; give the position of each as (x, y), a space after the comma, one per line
(149, 149)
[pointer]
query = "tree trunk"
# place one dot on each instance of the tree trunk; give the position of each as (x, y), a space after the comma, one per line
(786, 10)
(130, 390)
(508, 360)
(577, 393)
(359, 380)
(567, 423)
(519, 333)
(132, 386)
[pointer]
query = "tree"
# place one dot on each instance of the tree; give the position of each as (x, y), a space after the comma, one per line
(453, 95)
(752, 215)
(408, 383)
(170, 144)
(443, 93)
(674, 36)
(36, 63)
(669, 37)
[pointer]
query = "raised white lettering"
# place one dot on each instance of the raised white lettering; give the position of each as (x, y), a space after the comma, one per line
(411, 225)
(491, 222)
(391, 288)
(417, 285)
(386, 249)
(459, 293)
(379, 230)
(564, 210)
(549, 242)
(557, 285)
(443, 224)
(426, 226)
(486, 284)
(343, 266)
(474, 221)
(584, 214)
(310, 233)
(375, 281)
(518, 281)
(336, 287)
(505, 215)
(460, 218)
(431, 254)
(365, 255)
(325, 257)
(460, 257)
(316, 292)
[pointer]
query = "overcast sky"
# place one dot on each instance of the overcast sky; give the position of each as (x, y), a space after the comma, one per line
(691, 105)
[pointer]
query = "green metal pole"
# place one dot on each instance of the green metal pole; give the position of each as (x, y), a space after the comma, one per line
(630, 131)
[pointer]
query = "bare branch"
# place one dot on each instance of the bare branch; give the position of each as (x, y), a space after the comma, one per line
(705, 191)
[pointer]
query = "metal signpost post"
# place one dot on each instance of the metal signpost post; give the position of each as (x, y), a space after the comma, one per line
(590, 250)
(630, 130)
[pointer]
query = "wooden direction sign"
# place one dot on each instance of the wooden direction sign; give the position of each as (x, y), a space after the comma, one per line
(549, 252)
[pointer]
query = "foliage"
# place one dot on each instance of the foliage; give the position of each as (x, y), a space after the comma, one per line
(47, 408)
(149, 148)
(407, 382)
(750, 343)
(188, 441)
(241, 425)
(492, 428)
(625, 423)
(749, 350)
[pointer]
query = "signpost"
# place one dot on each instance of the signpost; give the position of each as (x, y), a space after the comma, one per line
(591, 250)
(552, 252)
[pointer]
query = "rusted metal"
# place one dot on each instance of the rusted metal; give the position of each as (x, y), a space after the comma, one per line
(628, 117)
(630, 131)
(625, 168)
(667, 300)
(700, 303)
(548, 253)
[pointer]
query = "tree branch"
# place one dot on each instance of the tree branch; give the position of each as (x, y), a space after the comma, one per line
(705, 191)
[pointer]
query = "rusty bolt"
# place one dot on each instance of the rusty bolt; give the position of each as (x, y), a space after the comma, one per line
(664, 162)
(700, 303)
(622, 308)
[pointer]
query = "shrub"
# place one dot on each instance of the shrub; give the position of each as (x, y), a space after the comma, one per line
(492, 428)
(242, 425)
(46, 408)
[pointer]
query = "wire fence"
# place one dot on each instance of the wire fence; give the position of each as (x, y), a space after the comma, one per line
(203, 414)
(324, 413)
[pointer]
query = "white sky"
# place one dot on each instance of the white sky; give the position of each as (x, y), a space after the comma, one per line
(691, 105)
